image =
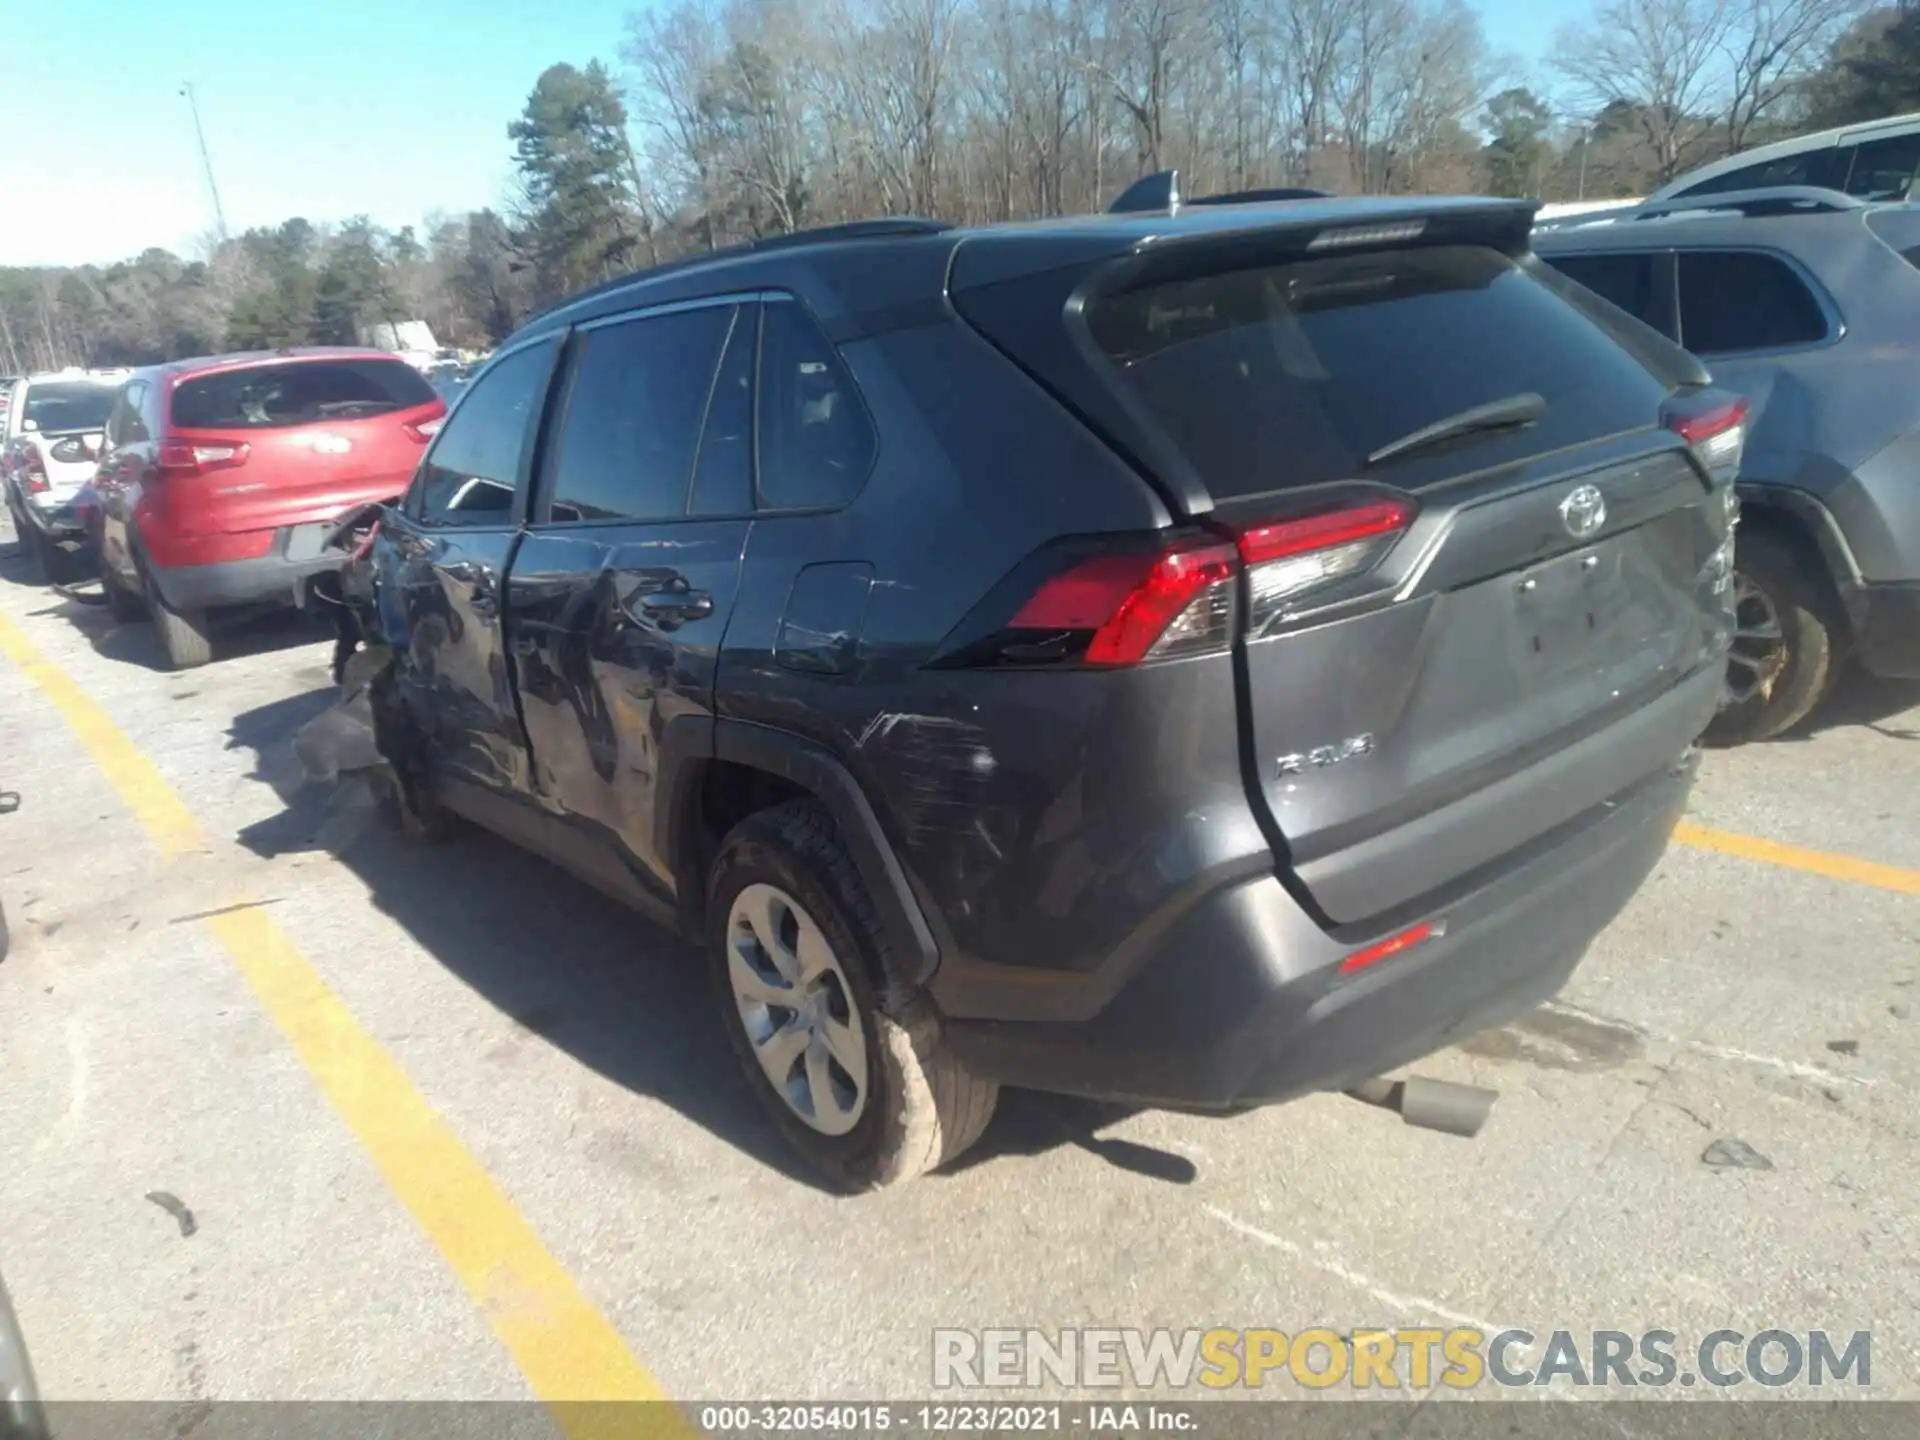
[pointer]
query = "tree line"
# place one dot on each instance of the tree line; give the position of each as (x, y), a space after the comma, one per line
(730, 120)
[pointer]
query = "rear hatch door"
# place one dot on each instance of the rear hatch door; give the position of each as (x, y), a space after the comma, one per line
(1509, 650)
(303, 440)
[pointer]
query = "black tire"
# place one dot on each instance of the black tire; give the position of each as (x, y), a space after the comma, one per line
(922, 1108)
(1775, 578)
(125, 606)
(183, 637)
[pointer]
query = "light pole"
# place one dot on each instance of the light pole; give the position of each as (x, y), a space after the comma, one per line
(219, 216)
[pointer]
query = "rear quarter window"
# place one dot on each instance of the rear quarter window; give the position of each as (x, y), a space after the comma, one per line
(1741, 300)
(302, 392)
(1291, 375)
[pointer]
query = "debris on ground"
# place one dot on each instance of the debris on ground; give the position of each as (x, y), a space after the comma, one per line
(171, 1204)
(1844, 1047)
(1730, 1154)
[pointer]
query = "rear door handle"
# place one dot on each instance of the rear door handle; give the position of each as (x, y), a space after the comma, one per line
(669, 607)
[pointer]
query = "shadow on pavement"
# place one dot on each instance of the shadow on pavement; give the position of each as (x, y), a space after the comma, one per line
(1867, 701)
(137, 643)
(581, 971)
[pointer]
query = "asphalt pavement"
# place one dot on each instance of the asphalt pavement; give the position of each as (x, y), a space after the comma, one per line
(295, 1110)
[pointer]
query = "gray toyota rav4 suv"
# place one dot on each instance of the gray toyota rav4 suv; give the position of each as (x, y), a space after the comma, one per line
(1196, 655)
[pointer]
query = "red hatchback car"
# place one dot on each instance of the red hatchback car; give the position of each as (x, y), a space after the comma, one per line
(220, 477)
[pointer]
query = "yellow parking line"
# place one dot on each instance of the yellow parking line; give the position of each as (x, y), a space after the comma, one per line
(567, 1349)
(1793, 857)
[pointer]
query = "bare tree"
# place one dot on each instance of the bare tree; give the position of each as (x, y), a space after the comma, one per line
(1773, 46)
(1659, 58)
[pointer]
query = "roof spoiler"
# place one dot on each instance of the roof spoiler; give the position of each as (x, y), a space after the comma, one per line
(1152, 194)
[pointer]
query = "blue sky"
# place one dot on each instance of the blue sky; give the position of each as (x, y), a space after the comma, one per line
(322, 108)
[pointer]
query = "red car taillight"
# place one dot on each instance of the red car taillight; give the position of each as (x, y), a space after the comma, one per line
(424, 430)
(179, 457)
(1180, 599)
(1717, 431)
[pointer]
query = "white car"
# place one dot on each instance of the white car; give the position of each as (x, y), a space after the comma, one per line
(49, 447)
(1876, 161)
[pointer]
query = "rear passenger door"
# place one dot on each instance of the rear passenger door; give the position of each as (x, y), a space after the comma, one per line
(620, 595)
(450, 547)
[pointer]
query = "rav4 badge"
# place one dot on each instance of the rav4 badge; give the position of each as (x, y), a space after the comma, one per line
(1322, 756)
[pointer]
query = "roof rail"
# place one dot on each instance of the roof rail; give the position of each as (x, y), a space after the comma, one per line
(819, 235)
(1153, 193)
(853, 230)
(1757, 203)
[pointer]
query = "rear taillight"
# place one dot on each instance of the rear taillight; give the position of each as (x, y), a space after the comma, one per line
(1131, 605)
(179, 457)
(33, 474)
(1288, 561)
(424, 430)
(1717, 431)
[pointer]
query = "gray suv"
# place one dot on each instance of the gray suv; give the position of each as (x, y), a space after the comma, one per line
(1196, 655)
(1807, 302)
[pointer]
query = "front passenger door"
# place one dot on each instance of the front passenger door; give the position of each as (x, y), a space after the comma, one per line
(620, 595)
(453, 541)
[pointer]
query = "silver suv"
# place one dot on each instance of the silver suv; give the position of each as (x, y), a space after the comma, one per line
(1807, 302)
(50, 437)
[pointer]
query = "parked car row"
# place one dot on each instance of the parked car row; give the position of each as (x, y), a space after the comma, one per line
(203, 488)
(1298, 670)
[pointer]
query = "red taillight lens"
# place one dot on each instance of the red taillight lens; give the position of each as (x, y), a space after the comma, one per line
(180, 457)
(424, 430)
(1716, 431)
(1182, 599)
(1140, 607)
(34, 474)
(1392, 945)
(1289, 561)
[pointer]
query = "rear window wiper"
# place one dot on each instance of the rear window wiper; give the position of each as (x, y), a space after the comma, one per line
(1515, 410)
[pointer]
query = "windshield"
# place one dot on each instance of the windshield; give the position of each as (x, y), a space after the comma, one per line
(57, 407)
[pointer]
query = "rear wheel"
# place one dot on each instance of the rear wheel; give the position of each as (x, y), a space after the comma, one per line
(183, 637)
(868, 1098)
(1786, 646)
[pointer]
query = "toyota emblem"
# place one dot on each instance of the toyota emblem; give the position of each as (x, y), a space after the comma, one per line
(1584, 511)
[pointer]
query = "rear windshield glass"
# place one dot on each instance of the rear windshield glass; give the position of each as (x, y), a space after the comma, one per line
(1293, 374)
(298, 393)
(55, 407)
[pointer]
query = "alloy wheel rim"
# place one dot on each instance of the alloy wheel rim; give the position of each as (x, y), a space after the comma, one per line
(1759, 653)
(797, 1009)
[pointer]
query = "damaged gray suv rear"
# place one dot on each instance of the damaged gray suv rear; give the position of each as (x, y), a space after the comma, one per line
(1196, 656)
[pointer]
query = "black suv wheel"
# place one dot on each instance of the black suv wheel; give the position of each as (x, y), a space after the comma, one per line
(1787, 642)
(867, 1098)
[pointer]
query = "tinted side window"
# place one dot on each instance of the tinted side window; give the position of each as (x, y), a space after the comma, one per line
(1740, 300)
(1626, 280)
(1883, 169)
(1825, 167)
(723, 484)
(133, 417)
(470, 473)
(639, 394)
(816, 443)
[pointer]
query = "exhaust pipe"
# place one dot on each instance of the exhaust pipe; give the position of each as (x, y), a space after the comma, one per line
(1431, 1104)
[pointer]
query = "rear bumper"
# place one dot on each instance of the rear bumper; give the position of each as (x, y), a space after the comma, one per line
(275, 578)
(1243, 1003)
(1886, 629)
(58, 521)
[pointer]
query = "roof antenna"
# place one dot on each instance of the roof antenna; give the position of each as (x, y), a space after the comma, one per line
(1150, 193)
